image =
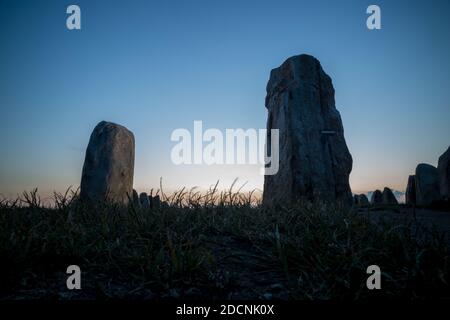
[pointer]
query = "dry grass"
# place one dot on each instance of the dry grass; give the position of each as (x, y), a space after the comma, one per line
(213, 245)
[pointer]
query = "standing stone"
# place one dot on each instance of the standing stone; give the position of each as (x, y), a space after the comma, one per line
(109, 164)
(136, 201)
(377, 197)
(427, 184)
(444, 175)
(155, 202)
(388, 196)
(361, 199)
(410, 195)
(145, 202)
(314, 161)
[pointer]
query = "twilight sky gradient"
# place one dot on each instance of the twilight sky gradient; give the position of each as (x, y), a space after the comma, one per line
(157, 66)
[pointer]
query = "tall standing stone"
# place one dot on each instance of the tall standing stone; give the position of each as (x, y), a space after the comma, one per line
(388, 196)
(410, 195)
(444, 175)
(109, 164)
(427, 184)
(314, 161)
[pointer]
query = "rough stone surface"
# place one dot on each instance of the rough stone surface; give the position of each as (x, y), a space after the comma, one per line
(144, 199)
(377, 197)
(427, 185)
(388, 196)
(444, 175)
(315, 162)
(410, 194)
(109, 164)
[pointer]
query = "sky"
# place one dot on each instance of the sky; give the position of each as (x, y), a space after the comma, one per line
(158, 66)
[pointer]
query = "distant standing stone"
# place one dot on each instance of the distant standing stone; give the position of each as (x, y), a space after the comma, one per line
(155, 202)
(377, 197)
(410, 195)
(362, 200)
(444, 175)
(109, 164)
(427, 184)
(145, 202)
(388, 196)
(314, 161)
(136, 198)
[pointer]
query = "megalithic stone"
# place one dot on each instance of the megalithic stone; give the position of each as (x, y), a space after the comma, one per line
(362, 200)
(410, 194)
(427, 184)
(109, 164)
(136, 198)
(155, 202)
(145, 202)
(314, 161)
(444, 175)
(377, 197)
(388, 196)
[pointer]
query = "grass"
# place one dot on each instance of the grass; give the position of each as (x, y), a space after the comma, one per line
(215, 245)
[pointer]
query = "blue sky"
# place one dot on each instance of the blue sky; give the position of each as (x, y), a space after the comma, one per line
(157, 66)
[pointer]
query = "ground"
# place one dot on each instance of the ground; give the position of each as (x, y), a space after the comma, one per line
(230, 250)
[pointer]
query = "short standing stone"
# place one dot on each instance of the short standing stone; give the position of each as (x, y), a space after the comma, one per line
(444, 175)
(427, 185)
(377, 197)
(145, 202)
(109, 164)
(410, 195)
(155, 202)
(362, 200)
(136, 198)
(388, 196)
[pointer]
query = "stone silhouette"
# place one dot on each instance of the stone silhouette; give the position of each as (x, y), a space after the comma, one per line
(410, 195)
(388, 196)
(444, 175)
(315, 162)
(427, 184)
(109, 164)
(377, 197)
(136, 201)
(144, 199)
(361, 200)
(155, 202)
